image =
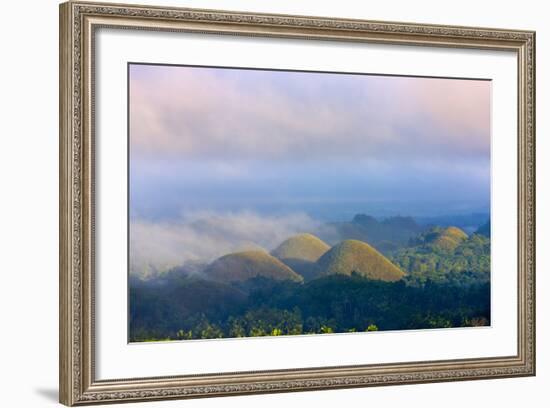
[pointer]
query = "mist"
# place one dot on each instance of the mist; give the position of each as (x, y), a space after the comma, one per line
(158, 246)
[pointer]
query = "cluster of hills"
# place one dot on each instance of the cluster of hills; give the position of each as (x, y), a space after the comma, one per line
(300, 253)
(304, 257)
(432, 277)
(371, 248)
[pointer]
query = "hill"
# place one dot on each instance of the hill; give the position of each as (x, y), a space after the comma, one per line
(450, 238)
(306, 247)
(300, 253)
(447, 239)
(356, 256)
(241, 266)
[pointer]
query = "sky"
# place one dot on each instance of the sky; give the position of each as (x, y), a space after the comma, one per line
(271, 141)
(219, 142)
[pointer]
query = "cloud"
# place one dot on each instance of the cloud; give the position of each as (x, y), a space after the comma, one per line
(242, 114)
(156, 247)
(280, 142)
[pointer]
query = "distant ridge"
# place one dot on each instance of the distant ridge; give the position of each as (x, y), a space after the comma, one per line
(385, 235)
(357, 256)
(241, 266)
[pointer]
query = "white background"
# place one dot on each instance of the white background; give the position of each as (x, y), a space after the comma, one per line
(117, 359)
(28, 216)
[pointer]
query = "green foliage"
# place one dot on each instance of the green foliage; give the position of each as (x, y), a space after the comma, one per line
(237, 327)
(207, 330)
(184, 335)
(468, 263)
(333, 304)
(276, 332)
(326, 329)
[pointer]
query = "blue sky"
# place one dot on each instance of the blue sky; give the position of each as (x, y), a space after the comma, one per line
(328, 145)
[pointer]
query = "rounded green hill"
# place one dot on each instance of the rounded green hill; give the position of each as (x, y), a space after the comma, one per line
(305, 247)
(241, 266)
(358, 256)
(450, 238)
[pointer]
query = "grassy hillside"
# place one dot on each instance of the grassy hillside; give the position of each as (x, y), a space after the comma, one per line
(356, 256)
(241, 266)
(300, 253)
(439, 238)
(306, 247)
(449, 238)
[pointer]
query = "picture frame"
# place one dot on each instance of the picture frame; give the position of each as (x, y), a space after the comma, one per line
(79, 24)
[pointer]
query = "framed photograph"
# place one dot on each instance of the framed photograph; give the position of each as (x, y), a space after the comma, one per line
(255, 203)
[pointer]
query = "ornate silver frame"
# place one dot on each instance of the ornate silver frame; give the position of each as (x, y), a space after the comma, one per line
(78, 22)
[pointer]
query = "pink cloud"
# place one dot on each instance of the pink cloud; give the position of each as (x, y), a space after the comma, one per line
(194, 112)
